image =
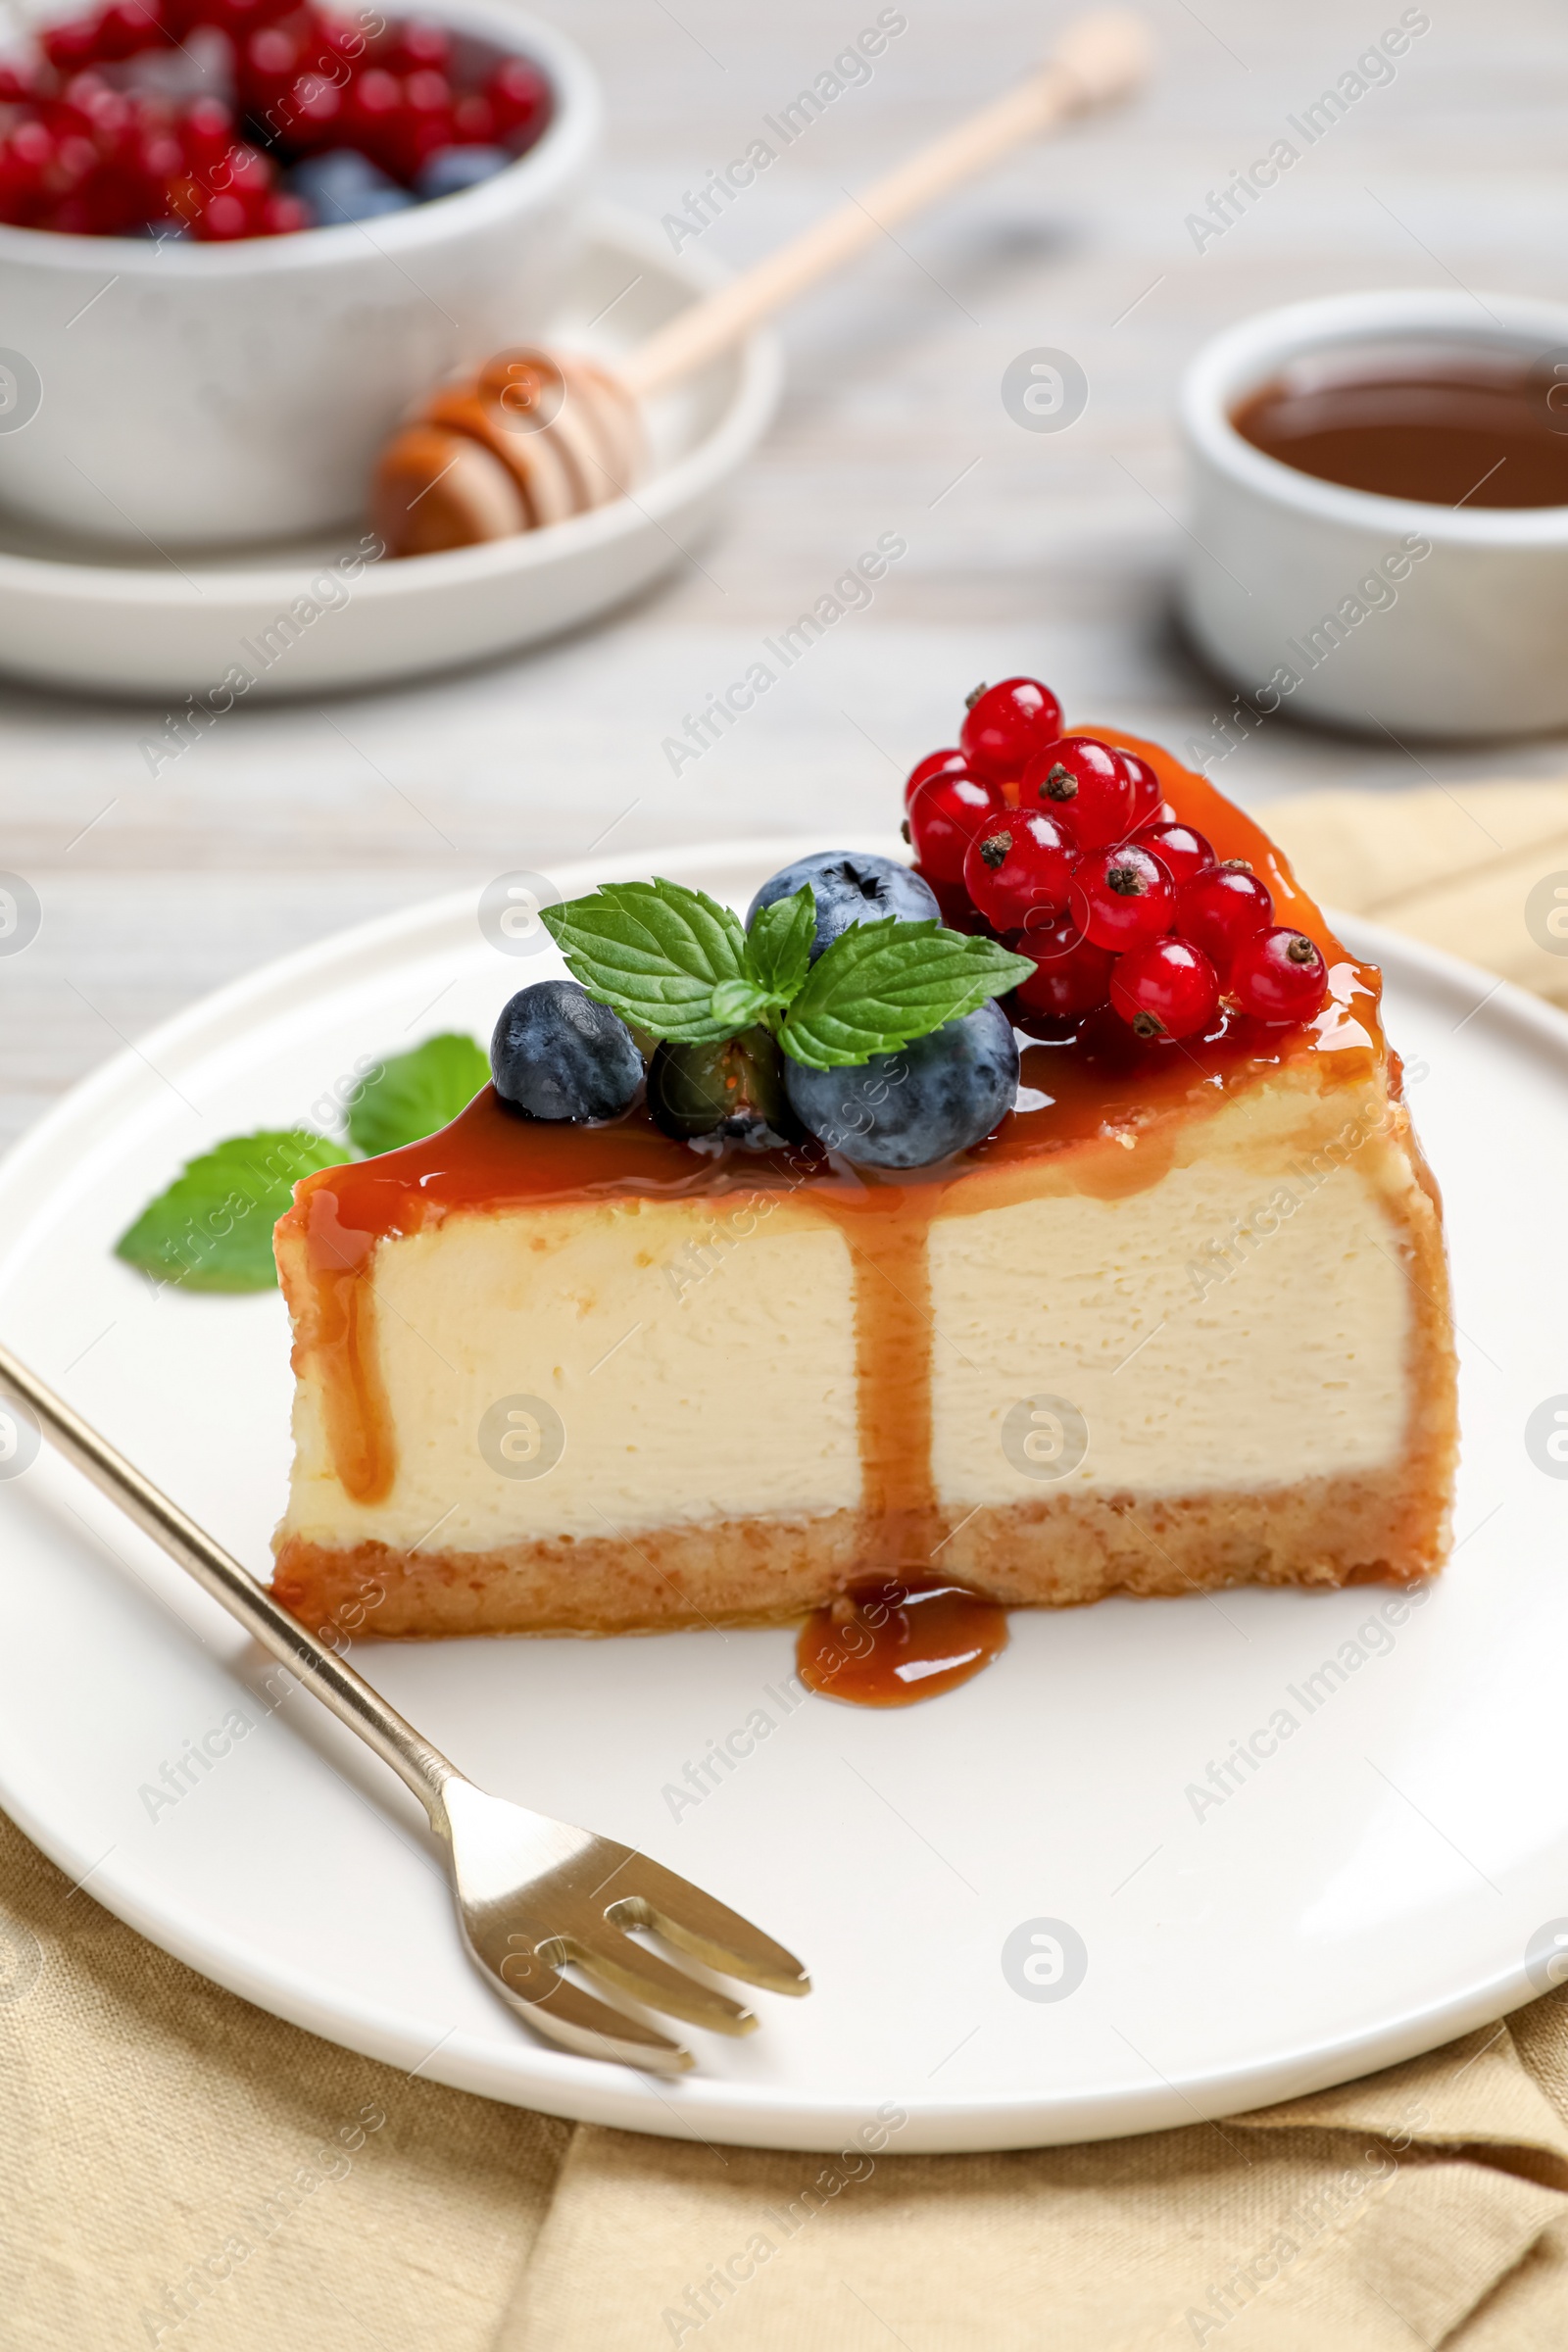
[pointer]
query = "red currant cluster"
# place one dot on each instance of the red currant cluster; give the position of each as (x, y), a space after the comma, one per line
(92, 141)
(1067, 847)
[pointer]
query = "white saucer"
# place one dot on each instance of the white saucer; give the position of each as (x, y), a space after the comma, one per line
(176, 625)
(1368, 1894)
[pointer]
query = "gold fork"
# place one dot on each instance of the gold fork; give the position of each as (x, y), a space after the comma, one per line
(534, 1896)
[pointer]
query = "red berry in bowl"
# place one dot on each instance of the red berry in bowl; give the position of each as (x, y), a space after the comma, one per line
(1279, 976)
(935, 764)
(519, 96)
(1121, 898)
(283, 215)
(1006, 725)
(1019, 871)
(1165, 990)
(72, 45)
(206, 131)
(1071, 975)
(1085, 784)
(1183, 853)
(1220, 910)
(474, 121)
(221, 219)
(420, 43)
(1147, 791)
(945, 815)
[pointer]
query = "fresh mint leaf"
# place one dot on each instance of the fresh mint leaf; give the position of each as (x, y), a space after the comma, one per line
(738, 1003)
(653, 953)
(409, 1095)
(880, 986)
(779, 946)
(211, 1229)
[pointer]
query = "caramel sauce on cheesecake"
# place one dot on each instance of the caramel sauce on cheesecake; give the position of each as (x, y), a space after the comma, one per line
(1107, 1110)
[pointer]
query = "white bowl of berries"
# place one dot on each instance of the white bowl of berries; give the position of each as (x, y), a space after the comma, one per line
(237, 237)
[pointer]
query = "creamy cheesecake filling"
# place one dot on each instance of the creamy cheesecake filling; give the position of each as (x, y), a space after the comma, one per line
(696, 1378)
(1243, 1322)
(1189, 1377)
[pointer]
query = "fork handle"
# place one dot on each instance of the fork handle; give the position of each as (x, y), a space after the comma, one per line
(321, 1671)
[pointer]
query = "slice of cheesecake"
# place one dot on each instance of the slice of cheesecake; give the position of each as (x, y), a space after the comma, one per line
(1180, 1322)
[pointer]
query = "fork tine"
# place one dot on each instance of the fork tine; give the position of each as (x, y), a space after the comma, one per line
(634, 1969)
(710, 1930)
(565, 2013)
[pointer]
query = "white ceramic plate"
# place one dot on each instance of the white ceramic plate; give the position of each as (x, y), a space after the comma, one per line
(1369, 1892)
(74, 615)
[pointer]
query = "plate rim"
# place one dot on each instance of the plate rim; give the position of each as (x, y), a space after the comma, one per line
(755, 2115)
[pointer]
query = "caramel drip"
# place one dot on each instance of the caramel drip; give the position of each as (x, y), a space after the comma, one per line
(887, 1235)
(341, 1330)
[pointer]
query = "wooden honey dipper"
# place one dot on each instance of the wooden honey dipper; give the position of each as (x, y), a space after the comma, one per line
(537, 436)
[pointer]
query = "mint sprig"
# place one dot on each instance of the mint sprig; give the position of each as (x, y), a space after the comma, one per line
(411, 1096)
(675, 964)
(654, 952)
(880, 986)
(212, 1228)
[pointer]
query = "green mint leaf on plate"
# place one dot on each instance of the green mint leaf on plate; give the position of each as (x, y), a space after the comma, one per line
(880, 986)
(653, 953)
(411, 1096)
(779, 946)
(211, 1229)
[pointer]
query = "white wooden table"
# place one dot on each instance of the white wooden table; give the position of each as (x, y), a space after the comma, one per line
(1046, 553)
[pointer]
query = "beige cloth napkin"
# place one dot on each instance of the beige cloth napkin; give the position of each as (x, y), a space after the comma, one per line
(179, 2170)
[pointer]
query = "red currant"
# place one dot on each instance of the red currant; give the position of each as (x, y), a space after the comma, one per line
(1071, 975)
(1279, 976)
(1183, 852)
(945, 815)
(1166, 989)
(72, 45)
(427, 98)
(314, 113)
(1220, 908)
(474, 121)
(1005, 724)
(1085, 783)
(935, 764)
(420, 43)
(373, 112)
(520, 95)
(1121, 898)
(221, 219)
(206, 131)
(1147, 791)
(282, 215)
(1019, 871)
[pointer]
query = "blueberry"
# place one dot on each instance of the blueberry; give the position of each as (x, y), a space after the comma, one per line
(906, 1110)
(734, 1090)
(451, 169)
(558, 1054)
(850, 890)
(343, 185)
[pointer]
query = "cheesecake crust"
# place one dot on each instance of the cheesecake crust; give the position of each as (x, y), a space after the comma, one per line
(1059, 1553)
